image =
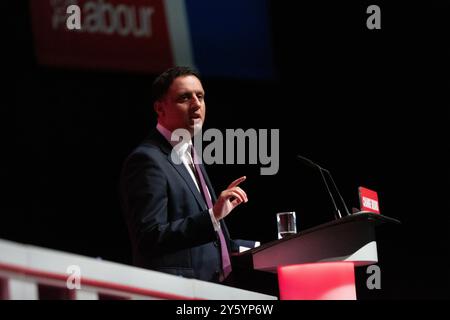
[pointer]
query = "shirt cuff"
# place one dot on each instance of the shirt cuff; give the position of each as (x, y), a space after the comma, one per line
(215, 223)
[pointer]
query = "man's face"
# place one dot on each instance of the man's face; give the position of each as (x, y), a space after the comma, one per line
(183, 106)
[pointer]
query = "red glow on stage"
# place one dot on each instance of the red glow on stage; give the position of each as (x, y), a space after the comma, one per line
(317, 281)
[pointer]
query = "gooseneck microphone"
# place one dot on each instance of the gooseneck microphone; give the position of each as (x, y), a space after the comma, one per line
(322, 170)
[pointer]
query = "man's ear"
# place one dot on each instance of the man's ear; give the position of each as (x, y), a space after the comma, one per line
(158, 107)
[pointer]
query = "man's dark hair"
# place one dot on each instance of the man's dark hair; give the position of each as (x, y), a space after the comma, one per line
(164, 80)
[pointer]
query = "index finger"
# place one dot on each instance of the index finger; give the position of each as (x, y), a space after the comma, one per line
(237, 182)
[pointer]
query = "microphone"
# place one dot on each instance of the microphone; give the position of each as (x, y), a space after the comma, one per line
(322, 170)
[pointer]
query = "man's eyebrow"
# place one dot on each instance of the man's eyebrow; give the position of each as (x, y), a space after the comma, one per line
(188, 92)
(183, 93)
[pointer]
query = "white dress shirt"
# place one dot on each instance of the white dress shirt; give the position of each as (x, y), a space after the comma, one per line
(181, 149)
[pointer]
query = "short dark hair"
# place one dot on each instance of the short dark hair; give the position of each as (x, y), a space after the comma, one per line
(162, 83)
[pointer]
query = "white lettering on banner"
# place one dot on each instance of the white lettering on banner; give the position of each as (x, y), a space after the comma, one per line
(100, 16)
(369, 203)
(375, 205)
(60, 15)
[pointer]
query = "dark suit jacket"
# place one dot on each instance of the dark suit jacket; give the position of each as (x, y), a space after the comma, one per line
(168, 220)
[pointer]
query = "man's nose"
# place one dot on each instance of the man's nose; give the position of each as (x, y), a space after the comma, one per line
(195, 103)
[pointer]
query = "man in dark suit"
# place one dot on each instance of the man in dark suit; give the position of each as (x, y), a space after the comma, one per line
(174, 218)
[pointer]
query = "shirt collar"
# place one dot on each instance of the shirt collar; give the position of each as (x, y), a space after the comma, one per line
(179, 147)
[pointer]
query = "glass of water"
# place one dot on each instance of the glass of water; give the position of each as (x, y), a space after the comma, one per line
(286, 223)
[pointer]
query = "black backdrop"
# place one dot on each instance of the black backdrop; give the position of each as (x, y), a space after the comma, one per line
(371, 106)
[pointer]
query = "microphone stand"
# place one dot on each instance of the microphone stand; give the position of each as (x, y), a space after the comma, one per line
(337, 213)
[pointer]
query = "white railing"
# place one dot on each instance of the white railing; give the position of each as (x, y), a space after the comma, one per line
(32, 273)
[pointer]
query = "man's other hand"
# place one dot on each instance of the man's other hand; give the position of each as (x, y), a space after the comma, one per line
(229, 199)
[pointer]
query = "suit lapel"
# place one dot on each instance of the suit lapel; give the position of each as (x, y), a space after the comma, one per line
(157, 138)
(188, 179)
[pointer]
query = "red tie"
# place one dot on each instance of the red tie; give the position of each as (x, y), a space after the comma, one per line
(226, 264)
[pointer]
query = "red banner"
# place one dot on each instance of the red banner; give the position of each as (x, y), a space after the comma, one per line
(114, 34)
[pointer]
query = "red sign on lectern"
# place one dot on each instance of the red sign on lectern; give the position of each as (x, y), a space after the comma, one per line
(368, 200)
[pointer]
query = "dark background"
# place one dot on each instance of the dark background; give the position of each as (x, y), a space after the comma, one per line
(369, 105)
